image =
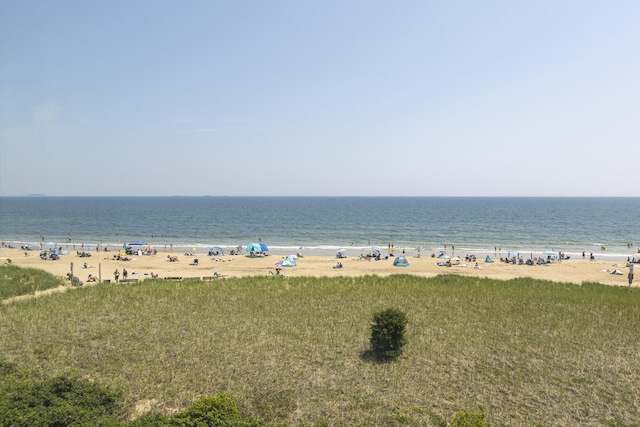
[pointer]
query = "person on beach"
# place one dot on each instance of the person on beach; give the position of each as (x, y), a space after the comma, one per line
(125, 273)
(116, 275)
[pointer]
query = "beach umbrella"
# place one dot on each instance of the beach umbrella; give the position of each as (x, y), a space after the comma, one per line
(550, 253)
(455, 258)
(137, 243)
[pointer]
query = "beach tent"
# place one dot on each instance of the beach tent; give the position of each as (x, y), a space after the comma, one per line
(254, 248)
(401, 261)
(216, 250)
(287, 262)
(488, 259)
(264, 247)
(136, 243)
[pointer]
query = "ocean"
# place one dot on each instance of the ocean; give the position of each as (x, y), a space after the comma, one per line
(606, 227)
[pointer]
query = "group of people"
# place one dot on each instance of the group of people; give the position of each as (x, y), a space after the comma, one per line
(531, 261)
(116, 274)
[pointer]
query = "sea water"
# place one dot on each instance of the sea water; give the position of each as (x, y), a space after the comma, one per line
(606, 227)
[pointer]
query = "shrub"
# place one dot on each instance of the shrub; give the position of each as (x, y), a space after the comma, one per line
(56, 402)
(469, 419)
(388, 333)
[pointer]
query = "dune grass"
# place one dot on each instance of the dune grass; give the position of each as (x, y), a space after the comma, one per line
(17, 281)
(295, 350)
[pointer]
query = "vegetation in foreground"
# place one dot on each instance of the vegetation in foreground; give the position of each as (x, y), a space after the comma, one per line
(291, 351)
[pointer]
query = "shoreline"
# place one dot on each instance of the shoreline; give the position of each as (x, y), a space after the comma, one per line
(141, 267)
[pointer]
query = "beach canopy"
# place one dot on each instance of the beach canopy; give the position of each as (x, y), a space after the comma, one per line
(264, 247)
(287, 262)
(401, 261)
(216, 250)
(256, 248)
(488, 259)
(137, 243)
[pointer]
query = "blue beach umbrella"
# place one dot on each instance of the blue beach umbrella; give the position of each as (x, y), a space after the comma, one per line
(137, 243)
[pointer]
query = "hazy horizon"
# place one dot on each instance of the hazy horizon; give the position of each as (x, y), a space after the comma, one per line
(330, 99)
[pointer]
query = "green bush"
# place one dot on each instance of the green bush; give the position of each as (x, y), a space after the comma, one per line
(388, 333)
(59, 401)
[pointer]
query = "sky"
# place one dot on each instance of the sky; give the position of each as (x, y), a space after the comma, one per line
(320, 98)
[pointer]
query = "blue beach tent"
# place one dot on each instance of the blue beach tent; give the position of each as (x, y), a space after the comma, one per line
(401, 261)
(488, 259)
(287, 262)
(264, 247)
(254, 248)
(216, 250)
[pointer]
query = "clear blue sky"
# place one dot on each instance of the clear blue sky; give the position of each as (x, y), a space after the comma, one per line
(324, 98)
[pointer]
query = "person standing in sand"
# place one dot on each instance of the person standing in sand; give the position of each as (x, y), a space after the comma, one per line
(116, 275)
(125, 273)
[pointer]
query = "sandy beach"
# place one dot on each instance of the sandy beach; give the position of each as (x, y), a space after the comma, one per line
(141, 267)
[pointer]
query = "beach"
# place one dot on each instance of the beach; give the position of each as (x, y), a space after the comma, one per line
(141, 267)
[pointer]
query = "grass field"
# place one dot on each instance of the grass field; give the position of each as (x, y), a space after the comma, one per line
(294, 350)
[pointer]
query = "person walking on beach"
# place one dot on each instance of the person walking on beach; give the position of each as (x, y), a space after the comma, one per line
(124, 274)
(116, 275)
